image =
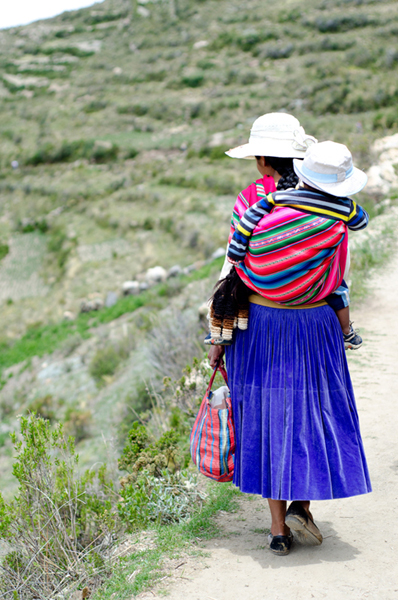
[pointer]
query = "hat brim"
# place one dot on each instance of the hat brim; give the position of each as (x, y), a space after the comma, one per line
(354, 184)
(266, 147)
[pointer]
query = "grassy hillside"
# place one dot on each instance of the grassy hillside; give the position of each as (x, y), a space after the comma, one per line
(119, 115)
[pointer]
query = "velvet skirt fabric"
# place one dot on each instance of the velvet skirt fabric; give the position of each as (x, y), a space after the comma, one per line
(296, 423)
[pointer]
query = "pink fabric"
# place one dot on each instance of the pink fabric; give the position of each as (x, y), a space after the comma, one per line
(249, 196)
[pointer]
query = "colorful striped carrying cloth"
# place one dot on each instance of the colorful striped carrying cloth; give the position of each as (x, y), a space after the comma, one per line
(293, 257)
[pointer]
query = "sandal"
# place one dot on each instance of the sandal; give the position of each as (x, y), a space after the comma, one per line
(280, 544)
(303, 526)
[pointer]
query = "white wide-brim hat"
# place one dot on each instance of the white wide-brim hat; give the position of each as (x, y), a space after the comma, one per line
(328, 167)
(275, 134)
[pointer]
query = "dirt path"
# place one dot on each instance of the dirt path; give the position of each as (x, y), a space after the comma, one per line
(358, 559)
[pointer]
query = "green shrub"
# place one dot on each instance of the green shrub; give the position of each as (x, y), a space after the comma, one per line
(391, 58)
(169, 498)
(135, 109)
(49, 153)
(77, 423)
(205, 64)
(290, 16)
(73, 50)
(95, 17)
(59, 247)
(45, 407)
(387, 119)
(32, 224)
(276, 52)
(4, 250)
(155, 75)
(156, 489)
(248, 77)
(104, 152)
(132, 153)
(105, 362)
(165, 111)
(135, 404)
(193, 80)
(68, 151)
(212, 152)
(143, 76)
(362, 56)
(246, 40)
(342, 22)
(95, 106)
(60, 526)
(327, 43)
(141, 454)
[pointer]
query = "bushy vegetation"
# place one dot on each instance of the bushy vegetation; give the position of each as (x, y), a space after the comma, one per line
(68, 151)
(105, 362)
(157, 488)
(4, 249)
(62, 528)
(60, 525)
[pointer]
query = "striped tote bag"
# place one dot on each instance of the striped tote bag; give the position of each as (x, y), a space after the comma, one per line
(212, 440)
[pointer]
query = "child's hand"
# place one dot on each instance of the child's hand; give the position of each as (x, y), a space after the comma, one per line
(234, 262)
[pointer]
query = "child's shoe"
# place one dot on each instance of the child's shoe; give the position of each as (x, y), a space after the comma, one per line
(352, 341)
(216, 341)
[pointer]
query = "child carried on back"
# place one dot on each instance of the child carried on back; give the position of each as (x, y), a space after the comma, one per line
(296, 253)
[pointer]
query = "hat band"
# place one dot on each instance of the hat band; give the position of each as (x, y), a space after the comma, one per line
(271, 135)
(326, 177)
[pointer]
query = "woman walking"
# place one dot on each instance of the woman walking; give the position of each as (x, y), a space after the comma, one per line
(296, 424)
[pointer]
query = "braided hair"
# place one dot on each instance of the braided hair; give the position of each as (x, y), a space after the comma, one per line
(283, 166)
(229, 306)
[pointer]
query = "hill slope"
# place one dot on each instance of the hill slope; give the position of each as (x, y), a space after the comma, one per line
(118, 117)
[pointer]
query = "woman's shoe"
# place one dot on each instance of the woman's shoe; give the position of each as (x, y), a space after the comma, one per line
(303, 525)
(280, 544)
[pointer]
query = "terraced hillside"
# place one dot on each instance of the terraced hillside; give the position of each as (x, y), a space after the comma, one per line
(119, 115)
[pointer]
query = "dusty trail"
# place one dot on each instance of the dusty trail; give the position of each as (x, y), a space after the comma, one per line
(358, 559)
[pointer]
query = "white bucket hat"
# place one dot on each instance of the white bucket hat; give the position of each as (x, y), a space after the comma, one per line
(275, 134)
(328, 167)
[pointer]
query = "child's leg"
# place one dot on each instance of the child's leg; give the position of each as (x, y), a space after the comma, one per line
(340, 301)
(343, 315)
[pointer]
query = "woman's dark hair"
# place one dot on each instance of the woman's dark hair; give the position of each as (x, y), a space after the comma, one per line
(284, 166)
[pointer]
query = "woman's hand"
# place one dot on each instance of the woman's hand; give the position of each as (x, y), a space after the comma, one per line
(216, 353)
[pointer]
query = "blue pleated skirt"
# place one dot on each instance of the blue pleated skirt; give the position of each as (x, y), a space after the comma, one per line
(296, 423)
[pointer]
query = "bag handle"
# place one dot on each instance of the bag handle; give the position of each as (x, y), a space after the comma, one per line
(223, 372)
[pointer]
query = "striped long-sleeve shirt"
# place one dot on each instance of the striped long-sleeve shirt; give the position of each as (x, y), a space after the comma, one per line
(304, 200)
